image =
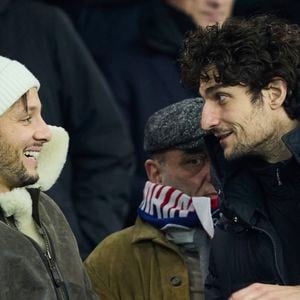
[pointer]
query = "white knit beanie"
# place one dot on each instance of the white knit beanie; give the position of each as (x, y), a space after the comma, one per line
(15, 81)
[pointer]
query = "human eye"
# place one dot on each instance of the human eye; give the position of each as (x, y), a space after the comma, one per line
(222, 98)
(195, 161)
(27, 119)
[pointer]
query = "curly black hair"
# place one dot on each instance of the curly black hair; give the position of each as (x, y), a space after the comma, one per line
(246, 51)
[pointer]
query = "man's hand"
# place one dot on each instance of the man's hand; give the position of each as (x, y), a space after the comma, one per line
(259, 291)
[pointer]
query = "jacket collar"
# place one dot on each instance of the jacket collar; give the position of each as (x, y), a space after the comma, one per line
(52, 158)
(246, 198)
(143, 231)
(292, 141)
(249, 206)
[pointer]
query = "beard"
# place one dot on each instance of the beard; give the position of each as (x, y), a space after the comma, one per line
(261, 141)
(254, 135)
(12, 170)
(249, 148)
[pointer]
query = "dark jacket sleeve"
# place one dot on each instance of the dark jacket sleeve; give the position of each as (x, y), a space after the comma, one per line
(100, 148)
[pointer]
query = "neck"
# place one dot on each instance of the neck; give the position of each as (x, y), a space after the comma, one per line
(278, 151)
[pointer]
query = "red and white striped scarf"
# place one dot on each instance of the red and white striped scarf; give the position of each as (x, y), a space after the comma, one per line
(163, 205)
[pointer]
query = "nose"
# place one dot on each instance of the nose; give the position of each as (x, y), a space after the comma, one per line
(206, 171)
(42, 133)
(210, 117)
(206, 179)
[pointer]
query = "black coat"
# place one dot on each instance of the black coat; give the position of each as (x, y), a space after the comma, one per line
(137, 47)
(246, 247)
(93, 188)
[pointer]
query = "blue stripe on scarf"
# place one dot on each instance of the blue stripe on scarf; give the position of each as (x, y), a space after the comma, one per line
(191, 220)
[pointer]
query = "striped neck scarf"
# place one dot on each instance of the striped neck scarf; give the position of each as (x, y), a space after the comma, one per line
(164, 205)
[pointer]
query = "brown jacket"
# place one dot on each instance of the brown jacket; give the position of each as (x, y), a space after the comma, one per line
(138, 263)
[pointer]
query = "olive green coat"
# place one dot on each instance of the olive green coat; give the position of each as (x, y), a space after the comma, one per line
(138, 263)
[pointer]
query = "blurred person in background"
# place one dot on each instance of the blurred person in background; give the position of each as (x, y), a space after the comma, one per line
(165, 254)
(93, 189)
(287, 9)
(138, 53)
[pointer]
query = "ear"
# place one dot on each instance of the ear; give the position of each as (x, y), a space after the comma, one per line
(153, 170)
(276, 92)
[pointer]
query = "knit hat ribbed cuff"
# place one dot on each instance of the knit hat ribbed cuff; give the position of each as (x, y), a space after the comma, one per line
(15, 81)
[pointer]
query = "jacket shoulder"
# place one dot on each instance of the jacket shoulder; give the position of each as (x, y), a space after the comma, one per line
(107, 264)
(114, 245)
(50, 213)
(49, 204)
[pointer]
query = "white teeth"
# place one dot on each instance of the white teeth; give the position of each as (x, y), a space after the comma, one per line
(33, 154)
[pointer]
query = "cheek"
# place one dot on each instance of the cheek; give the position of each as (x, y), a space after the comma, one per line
(254, 128)
(13, 136)
(230, 115)
(176, 181)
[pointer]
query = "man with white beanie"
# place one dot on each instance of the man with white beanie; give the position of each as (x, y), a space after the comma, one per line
(39, 257)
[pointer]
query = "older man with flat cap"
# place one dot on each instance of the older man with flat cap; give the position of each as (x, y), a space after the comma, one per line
(165, 254)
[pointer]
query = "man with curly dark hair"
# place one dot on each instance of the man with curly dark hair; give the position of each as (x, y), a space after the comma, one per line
(248, 73)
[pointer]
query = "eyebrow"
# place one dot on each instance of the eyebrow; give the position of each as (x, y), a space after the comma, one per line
(33, 108)
(200, 154)
(212, 89)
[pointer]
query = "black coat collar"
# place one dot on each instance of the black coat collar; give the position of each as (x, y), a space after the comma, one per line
(240, 192)
(292, 141)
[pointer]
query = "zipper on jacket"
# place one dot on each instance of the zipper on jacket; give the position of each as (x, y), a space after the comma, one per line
(279, 182)
(56, 276)
(46, 258)
(275, 253)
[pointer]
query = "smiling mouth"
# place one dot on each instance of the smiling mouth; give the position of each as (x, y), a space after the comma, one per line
(222, 137)
(32, 154)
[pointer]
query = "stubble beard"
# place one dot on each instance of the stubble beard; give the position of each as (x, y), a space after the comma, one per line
(260, 141)
(263, 143)
(246, 147)
(13, 171)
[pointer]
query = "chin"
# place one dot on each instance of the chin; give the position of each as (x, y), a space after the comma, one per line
(28, 178)
(228, 154)
(231, 155)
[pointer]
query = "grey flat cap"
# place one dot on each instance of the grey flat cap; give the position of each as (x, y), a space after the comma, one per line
(176, 126)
